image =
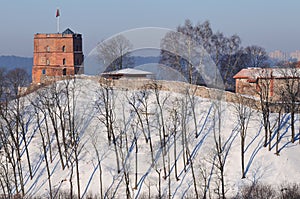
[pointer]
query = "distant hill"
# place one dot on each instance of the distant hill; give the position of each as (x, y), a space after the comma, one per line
(139, 60)
(11, 62)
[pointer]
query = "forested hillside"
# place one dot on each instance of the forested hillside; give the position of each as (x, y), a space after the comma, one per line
(80, 138)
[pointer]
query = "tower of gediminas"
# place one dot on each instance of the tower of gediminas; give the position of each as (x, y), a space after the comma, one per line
(56, 55)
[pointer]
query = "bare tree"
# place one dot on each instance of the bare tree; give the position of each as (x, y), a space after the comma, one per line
(106, 107)
(289, 92)
(125, 140)
(74, 122)
(183, 124)
(225, 51)
(180, 50)
(174, 128)
(192, 101)
(15, 79)
(135, 137)
(171, 57)
(187, 158)
(41, 114)
(50, 100)
(279, 122)
(219, 159)
(133, 103)
(4, 169)
(115, 53)
(263, 91)
(100, 157)
(205, 176)
(243, 111)
(161, 102)
(220, 165)
(256, 56)
(143, 98)
(13, 118)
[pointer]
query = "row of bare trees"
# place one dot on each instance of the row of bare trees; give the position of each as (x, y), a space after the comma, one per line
(169, 127)
(59, 123)
(54, 111)
(13, 130)
(279, 92)
(226, 52)
(148, 119)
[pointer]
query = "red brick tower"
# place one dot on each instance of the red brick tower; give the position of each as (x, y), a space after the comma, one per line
(56, 55)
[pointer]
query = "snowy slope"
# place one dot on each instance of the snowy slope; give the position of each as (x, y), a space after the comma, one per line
(261, 165)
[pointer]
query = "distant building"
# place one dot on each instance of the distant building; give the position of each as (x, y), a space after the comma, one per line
(283, 56)
(250, 81)
(295, 55)
(128, 73)
(279, 55)
(56, 55)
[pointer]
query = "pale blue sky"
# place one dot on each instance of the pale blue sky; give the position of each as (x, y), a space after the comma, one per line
(272, 24)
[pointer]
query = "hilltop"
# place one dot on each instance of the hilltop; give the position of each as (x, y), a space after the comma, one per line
(141, 139)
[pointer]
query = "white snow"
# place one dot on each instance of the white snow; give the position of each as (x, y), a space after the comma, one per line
(261, 164)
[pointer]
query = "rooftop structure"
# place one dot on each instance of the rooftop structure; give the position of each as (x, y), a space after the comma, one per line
(128, 73)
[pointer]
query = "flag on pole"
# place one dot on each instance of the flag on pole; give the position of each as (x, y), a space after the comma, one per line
(57, 19)
(57, 13)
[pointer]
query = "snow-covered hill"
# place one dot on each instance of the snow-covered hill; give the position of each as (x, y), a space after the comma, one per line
(138, 142)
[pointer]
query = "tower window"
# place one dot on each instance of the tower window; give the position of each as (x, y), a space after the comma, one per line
(48, 48)
(64, 61)
(64, 72)
(64, 48)
(47, 62)
(44, 71)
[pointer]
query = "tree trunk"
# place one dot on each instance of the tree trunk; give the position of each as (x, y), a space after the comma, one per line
(136, 162)
(293, 125)
(278, 133)
(243, 156)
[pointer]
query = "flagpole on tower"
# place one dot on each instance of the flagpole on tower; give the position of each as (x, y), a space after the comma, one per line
(57, 17)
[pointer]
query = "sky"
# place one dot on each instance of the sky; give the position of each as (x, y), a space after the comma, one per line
(272, 24)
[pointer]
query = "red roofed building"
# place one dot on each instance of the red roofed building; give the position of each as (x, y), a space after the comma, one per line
(246, 81)
(250, 81)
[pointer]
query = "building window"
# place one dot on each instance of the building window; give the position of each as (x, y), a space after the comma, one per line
(64, 61)
(64, 48)
(47, 62)
(48, 48)
(64, 72)
(44, 71)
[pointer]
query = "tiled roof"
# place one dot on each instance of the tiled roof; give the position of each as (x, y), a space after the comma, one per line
(254, 73)
(246, 73)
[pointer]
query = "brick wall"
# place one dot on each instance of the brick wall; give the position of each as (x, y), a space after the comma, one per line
(56, 55)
